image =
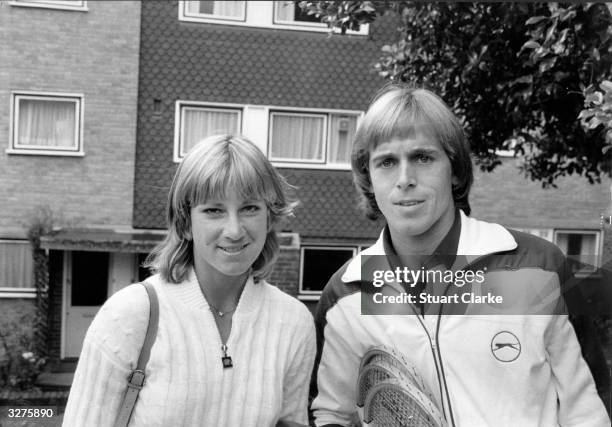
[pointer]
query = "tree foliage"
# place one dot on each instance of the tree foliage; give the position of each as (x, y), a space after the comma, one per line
(532, 77)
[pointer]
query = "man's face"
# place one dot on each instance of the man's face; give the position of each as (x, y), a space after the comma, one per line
(412, 183)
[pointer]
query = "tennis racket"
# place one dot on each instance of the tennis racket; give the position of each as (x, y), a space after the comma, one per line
(390, 392)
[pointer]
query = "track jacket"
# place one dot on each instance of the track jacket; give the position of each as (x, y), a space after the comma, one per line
(483, 370)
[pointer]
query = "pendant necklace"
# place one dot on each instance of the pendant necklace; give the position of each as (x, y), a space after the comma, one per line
(226, 360)
(220, 313)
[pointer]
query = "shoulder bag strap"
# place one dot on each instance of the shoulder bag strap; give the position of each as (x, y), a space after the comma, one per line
(137, 377)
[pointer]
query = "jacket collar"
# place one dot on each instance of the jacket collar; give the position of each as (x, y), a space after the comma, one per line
(477, 238)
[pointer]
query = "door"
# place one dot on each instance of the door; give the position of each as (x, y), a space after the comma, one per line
(86, 289)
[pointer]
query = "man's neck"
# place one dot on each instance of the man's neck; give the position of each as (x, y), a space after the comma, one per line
(409, 248)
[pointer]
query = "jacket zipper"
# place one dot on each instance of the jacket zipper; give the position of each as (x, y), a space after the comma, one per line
(437, 363)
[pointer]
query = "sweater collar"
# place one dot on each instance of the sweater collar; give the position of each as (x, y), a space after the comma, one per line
(476, 239)
(190, 294)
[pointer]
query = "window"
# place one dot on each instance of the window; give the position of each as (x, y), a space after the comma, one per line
(46, 124)
(16, 269)
(196, 122)
(89, 278)
(318, 264)
(287, 12)
(311, 138)
(215, 10)
(283, 15)
(582, 246)
(52, 4)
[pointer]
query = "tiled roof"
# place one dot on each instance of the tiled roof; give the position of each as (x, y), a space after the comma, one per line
(328, 206)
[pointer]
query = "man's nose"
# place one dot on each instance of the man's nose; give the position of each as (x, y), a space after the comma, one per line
(407, 176)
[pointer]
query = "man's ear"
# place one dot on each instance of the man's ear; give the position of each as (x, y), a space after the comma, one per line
(455, 181)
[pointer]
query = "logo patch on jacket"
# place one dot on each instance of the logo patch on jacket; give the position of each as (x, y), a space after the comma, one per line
(505, 346)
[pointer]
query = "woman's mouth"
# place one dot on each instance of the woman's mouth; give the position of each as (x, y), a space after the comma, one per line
(234, 249)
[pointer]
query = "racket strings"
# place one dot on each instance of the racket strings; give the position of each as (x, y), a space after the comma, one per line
(391, 408)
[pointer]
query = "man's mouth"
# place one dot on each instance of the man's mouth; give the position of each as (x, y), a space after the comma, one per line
(407, 203)
(233, 249)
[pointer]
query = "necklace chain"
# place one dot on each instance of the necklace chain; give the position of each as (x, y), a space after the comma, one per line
(219, 312)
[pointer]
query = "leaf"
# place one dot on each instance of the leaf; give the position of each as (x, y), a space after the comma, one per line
(606, 85)
(531, 45)
(535, 19)
(594, 98)
(547, 64)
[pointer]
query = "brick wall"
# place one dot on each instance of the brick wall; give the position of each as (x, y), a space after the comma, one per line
(505, 196)
(94, 53)
(287, 271)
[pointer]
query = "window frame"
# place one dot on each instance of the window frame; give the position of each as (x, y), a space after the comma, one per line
(209, 17)
(14, 292)
(76, 98)
(308, 295)
(325, 118)
(282, 23)
(211, 106)
(598, 247)
(52, 4)
(299, 163)
(263, 16)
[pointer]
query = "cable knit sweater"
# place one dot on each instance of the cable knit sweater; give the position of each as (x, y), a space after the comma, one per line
(272, 346)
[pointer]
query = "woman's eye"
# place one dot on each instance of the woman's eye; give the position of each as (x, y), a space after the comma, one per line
(211, 211)
(251, 209)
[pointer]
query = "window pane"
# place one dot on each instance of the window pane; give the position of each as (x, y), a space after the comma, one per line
(577, 244)
(47, 123)
(297, 137)
(320, 264)
(89, 278)
(341, 133)
(226, 9)
(200, 123)
(16, 265)
(289, 11)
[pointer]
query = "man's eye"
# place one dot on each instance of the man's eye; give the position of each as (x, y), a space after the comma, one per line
(424, 158)
(387, 163)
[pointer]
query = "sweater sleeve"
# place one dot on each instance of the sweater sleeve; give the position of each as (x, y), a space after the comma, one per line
(110, 351)
(297, 379)
(579, 403)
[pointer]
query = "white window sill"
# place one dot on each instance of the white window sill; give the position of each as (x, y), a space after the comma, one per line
(45, 153)
(29, 294)
(309, 297)
(49, 6)
(295, 165)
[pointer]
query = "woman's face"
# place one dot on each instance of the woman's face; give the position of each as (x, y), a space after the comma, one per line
(228, 234)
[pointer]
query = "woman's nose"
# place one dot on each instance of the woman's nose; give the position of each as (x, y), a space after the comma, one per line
(233, 228)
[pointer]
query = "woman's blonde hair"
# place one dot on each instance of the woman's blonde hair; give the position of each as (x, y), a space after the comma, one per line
(215, 165)
(398, 111)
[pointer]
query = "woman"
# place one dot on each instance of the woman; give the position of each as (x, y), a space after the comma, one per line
(231, 350)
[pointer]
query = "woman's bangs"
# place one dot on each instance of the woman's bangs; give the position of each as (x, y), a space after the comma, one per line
(228, 178)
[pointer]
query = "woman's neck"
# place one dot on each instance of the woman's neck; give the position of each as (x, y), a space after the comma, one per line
(220, 290)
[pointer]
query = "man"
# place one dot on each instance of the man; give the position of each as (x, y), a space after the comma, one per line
(411, 163)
